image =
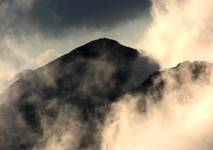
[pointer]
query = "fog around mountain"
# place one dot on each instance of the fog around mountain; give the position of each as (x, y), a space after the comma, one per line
(104, 95)
(101, 95)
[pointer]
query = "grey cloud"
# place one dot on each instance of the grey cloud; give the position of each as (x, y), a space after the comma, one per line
(55, 17)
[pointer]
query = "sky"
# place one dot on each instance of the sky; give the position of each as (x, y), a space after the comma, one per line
(34, 32)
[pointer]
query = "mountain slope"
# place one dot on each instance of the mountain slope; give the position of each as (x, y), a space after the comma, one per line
(85, 82)
(67, 100)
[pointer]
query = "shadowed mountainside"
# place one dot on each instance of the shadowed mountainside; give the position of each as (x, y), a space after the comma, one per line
(77, 90)
(184, 75)
(88, 79)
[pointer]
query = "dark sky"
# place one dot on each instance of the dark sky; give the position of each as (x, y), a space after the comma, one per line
(56, 16)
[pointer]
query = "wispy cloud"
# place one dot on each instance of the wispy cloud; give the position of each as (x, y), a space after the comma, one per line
(181, 30)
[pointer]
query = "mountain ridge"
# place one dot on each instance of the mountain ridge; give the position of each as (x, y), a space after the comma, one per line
(84, 82)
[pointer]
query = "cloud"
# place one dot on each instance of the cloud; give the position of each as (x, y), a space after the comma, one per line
(14, 59)
(181, 30)
(54, 17)
(181, 121)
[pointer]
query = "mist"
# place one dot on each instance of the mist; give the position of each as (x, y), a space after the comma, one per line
(180, 119)
(181, 30)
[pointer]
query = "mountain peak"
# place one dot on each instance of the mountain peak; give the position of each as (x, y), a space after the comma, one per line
(102, 47)
(105, 46)
(104, 41)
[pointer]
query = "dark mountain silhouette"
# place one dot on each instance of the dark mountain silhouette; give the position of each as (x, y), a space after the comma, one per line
(88, 79)
(83, 83)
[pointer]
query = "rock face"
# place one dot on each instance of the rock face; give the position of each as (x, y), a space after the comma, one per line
(86, 80)
(72, 94)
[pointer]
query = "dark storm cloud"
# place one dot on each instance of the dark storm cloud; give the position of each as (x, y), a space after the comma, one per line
(56, 16)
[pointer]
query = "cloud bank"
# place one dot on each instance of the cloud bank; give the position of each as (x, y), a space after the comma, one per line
(181, 30)
(181, 121)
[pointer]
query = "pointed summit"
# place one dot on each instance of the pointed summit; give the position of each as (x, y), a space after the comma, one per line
(104, 41)
(110, 46)
(105, 46)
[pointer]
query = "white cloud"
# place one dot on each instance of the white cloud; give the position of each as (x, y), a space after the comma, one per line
(181, 121)
(181, 30)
